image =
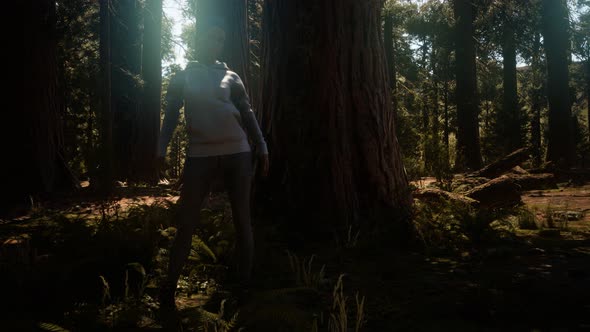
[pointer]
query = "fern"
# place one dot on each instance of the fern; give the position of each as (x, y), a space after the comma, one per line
(51, 327)
(215, 322)
(200, 246)
(303, 272)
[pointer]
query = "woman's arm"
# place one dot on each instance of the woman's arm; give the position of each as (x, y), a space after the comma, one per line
(242, 102)
(174, 101)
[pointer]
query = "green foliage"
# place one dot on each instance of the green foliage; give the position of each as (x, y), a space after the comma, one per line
(526, 219)
(339, 314)
(215, 322)
(303, 272)
(51, 327)
(455, 226)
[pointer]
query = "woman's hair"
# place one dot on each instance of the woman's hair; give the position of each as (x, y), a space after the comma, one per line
(209, 22)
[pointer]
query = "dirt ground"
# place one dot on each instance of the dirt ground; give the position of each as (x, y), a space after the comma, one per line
(532, 280)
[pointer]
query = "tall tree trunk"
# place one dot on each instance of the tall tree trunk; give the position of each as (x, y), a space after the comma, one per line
(235, 13)
(511, 115)
(468, 151)
(588, 95)
(390, 57)
(536, 103)
(560, 145)
(327, 114)
(446, 121)
(39, 166)
(446, 130)
(426, 151)
(149, 125)
(434, 126)
(126, 85)
(106, 176)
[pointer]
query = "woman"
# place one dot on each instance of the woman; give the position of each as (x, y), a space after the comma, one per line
(216, 108)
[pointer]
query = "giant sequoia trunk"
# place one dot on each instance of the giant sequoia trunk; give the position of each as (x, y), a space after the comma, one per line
(38, 161)
(390, 58)
(327, 113)
(510, 118)
(468, 152)
(149, 121)
(560, 145)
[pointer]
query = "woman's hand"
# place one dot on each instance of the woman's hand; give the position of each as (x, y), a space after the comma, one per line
(263, 162)
(161, 167)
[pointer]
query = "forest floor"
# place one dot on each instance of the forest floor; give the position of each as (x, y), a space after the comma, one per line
(89, 265)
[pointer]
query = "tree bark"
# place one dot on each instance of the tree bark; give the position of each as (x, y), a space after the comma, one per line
(534, 181)
(588, 96)
(560, 145)
(510, 121)
(149, 126)
(434, 195)
(468, 150)
(502, 191)
(536, 102)
(390, 57)
(327, 114)
(39, 165)
(125, 86)
(503, 165)
(106, 176)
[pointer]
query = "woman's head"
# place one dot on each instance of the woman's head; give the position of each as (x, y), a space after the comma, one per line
(210, 38)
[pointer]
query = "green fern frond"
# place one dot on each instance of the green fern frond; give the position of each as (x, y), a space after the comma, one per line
(200, 246)
(51, 327)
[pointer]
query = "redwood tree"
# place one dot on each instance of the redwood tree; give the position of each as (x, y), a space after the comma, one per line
(560, 141)
(38, 162)
(511, 134)
(327, 114)
(151, 69)
(468, 150)
(125, 39)
(105, 176)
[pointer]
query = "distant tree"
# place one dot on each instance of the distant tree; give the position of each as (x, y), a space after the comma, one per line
(39, 164)
(560, 145)
(468, 150)
(151, 70)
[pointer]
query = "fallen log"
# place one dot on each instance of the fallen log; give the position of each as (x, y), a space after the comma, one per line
(503, 165)
(518, 170)
(434, 195)
(502, 191)
(534, 181)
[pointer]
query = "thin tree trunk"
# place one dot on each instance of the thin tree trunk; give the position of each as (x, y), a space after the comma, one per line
(446, 121)
(536, 103)
(468, 150)
(511, 133)
(588, 96)
(125, 86)
(106, 116)
(152, 90)
(560, 145)
(327, 115)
